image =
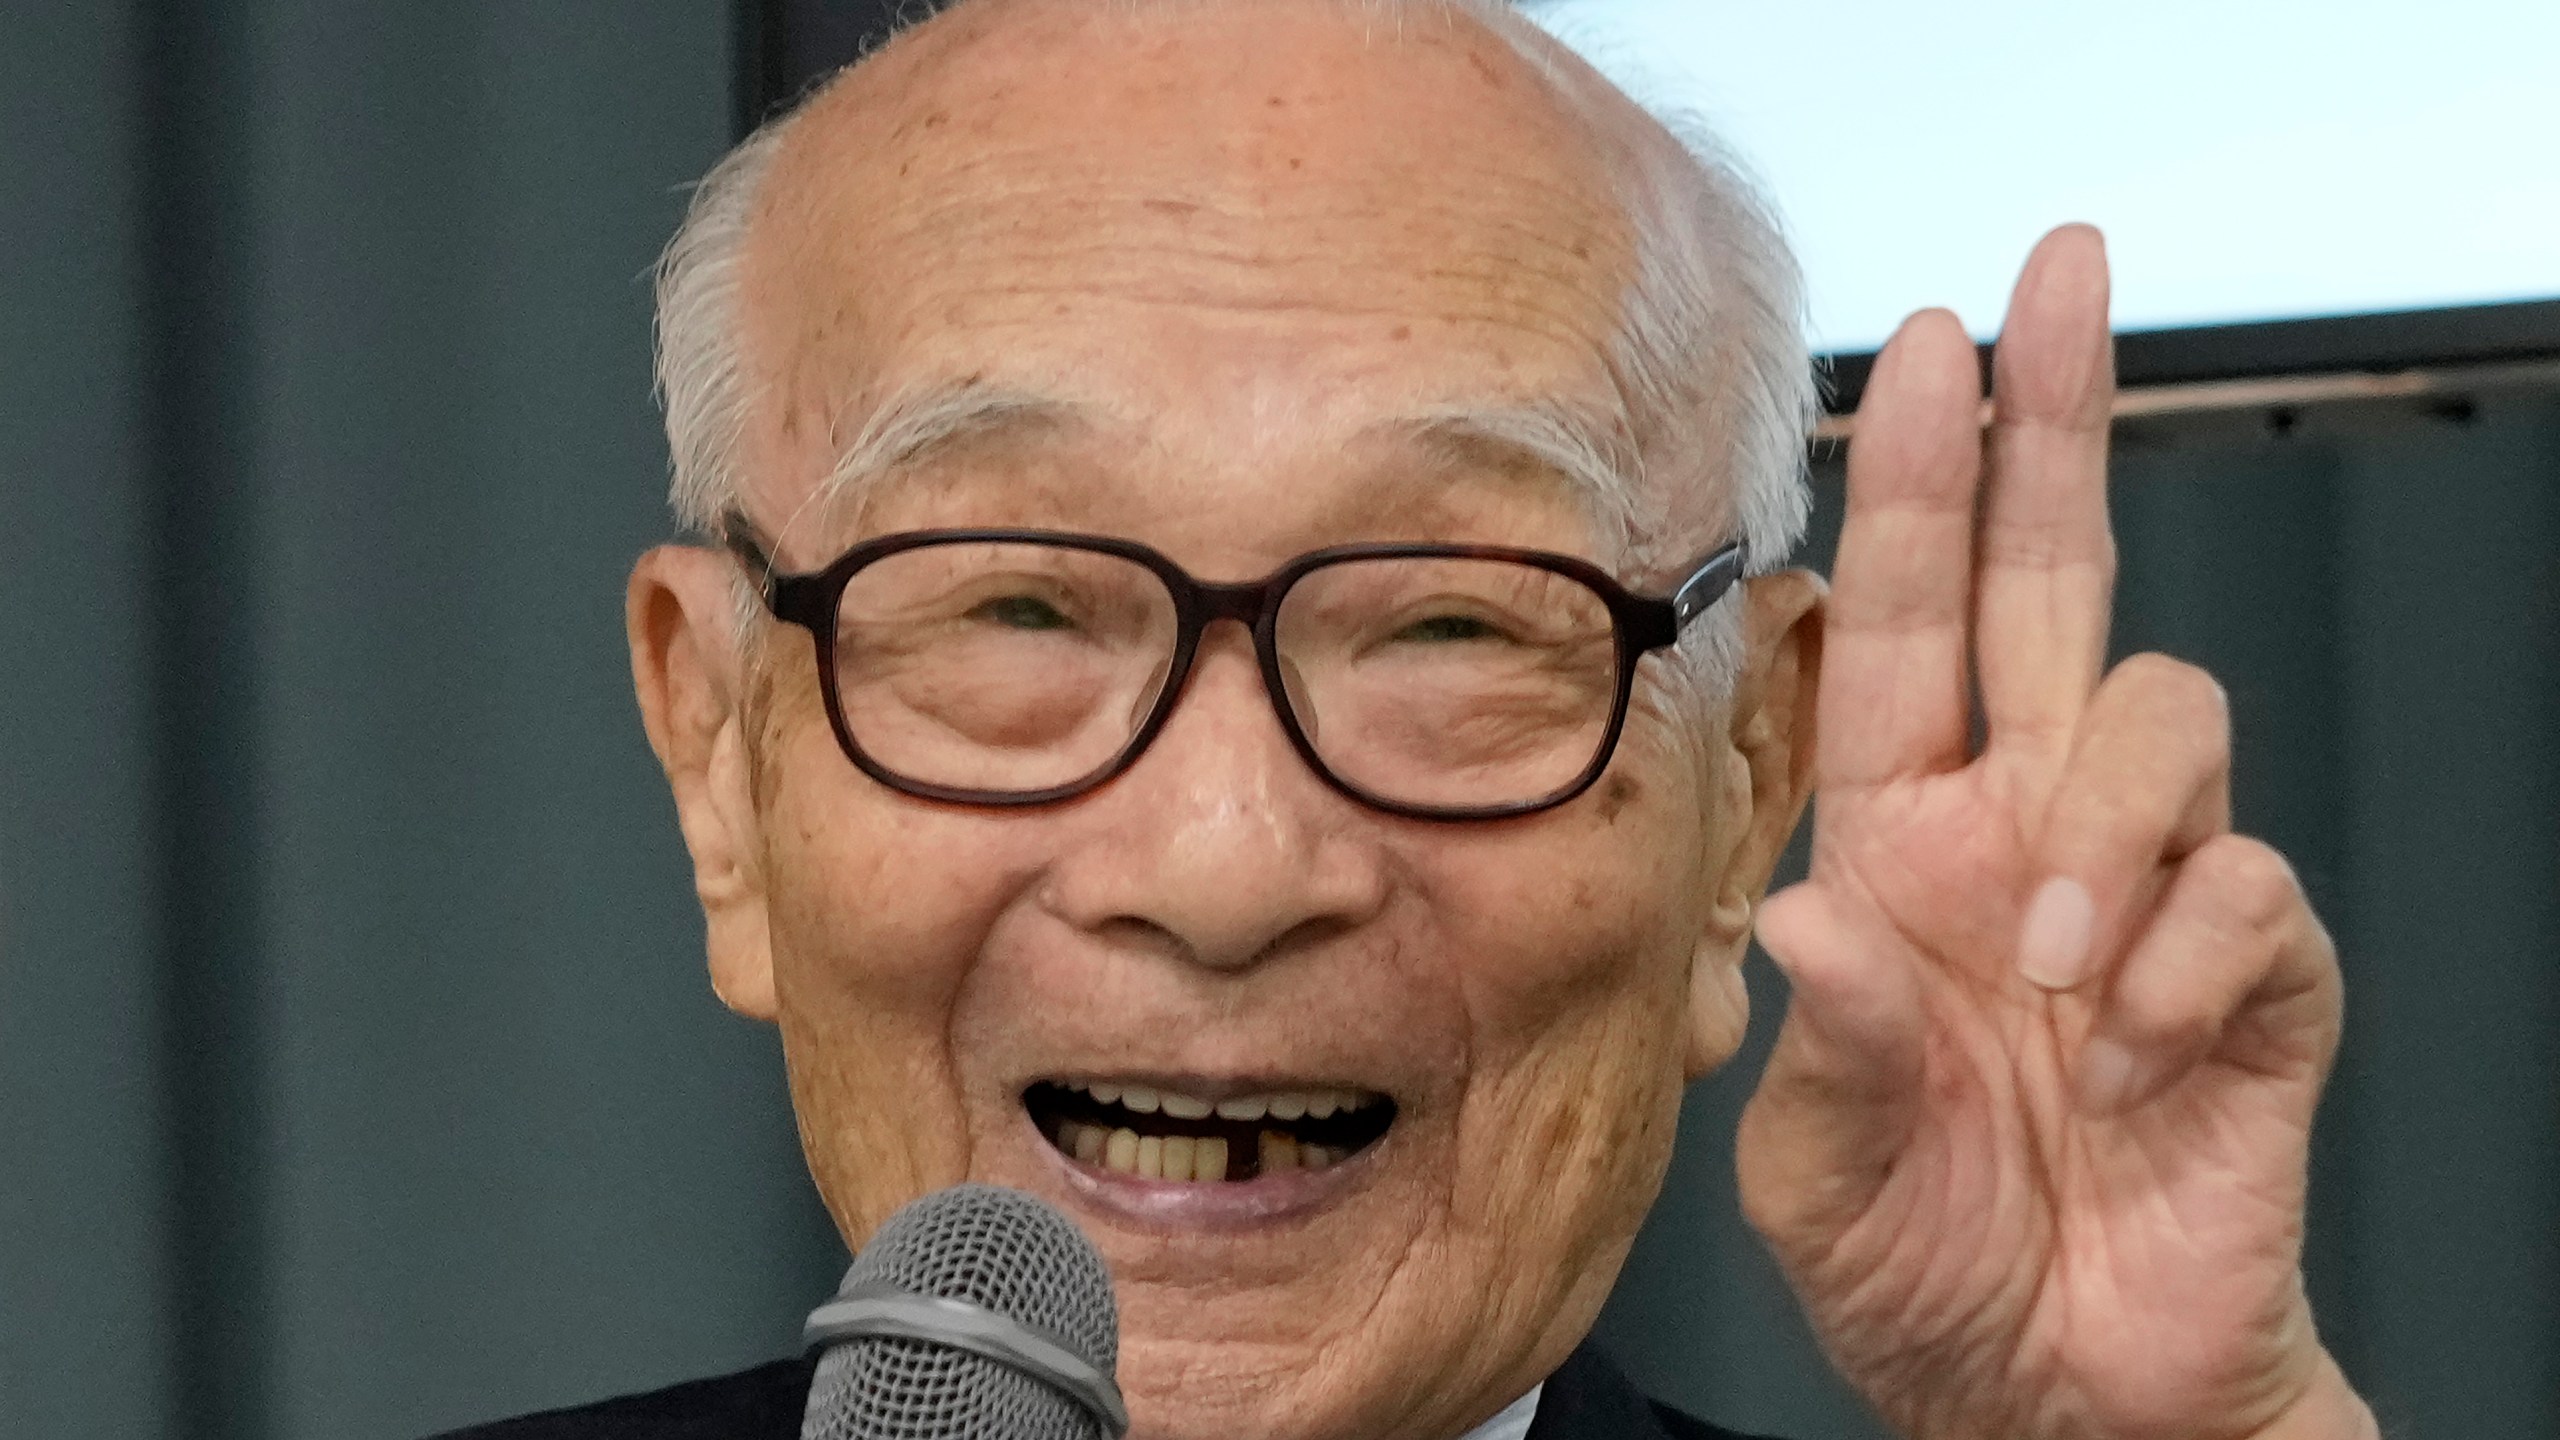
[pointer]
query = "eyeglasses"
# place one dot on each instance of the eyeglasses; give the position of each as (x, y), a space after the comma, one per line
(1026, 667)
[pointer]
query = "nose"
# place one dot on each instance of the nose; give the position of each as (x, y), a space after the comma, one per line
(1220, 844)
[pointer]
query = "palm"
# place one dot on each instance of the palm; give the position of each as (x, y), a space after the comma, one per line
(1992, 1238)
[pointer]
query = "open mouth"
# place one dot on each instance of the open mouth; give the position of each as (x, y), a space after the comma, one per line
(1157, 1134)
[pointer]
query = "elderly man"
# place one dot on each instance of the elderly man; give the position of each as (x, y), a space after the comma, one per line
(1232, 700)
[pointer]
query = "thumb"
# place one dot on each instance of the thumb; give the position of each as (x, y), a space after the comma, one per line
(1843, 1086)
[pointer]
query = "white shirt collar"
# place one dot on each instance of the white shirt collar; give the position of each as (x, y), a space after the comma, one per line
(1512, 1423)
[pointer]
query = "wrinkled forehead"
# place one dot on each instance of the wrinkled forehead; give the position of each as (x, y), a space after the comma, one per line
(1208, 219)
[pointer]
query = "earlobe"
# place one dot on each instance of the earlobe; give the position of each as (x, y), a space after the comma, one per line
(1719, 1008)
(736, 933)
(1767, 757)
(686, 667)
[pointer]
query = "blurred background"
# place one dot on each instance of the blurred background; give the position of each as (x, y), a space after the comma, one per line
(358, 1074)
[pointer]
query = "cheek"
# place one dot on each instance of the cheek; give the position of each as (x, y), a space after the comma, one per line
(1577, 1003)
(875, 927)
(1576, 970)
(1582, 915)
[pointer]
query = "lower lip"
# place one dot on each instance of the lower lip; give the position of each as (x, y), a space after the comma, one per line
(1208, 1205)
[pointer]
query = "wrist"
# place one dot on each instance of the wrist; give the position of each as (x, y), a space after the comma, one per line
(2329, 1410)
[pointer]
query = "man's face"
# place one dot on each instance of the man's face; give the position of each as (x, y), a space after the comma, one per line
(1231, 254)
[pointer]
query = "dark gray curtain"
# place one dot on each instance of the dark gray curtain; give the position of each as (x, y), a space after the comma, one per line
(360, 1073)
(357, 1073)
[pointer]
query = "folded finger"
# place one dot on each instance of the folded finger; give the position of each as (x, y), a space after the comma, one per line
(2147, 781)
(1836, 1103)
(2048, 558)
(1894, 682)
(2234, 966)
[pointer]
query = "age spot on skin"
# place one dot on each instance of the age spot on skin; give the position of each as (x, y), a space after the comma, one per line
(1615, 796)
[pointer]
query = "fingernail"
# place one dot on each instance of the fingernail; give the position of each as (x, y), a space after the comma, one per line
(2053, 941)
(2106, 1075)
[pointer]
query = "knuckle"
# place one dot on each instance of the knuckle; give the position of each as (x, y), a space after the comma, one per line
(2173, 713)
(2183, 693)
(2183, 1021)
(2254, 879)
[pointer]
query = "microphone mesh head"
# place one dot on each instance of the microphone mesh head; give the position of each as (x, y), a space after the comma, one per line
(992, 1247)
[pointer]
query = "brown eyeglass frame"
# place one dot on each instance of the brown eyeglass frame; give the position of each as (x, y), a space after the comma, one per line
(1641, 624)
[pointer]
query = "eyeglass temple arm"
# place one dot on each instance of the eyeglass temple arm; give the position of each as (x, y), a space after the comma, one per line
(737, 536)
(1707, 583)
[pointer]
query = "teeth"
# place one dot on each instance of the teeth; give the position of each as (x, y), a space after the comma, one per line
(1279, 1152)
(1194, 1158)
(1188, 1157)
(1152, 1157)
(1282, 1105)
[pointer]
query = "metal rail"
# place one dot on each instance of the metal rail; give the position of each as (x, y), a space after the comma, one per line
(2290, 391)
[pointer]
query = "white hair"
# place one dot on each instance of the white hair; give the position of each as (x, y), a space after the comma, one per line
(1714, 379)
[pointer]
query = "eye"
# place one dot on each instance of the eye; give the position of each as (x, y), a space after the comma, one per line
(1022, 612)
(1443, 629)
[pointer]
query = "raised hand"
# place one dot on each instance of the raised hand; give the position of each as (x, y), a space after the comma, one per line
(2033, 1141)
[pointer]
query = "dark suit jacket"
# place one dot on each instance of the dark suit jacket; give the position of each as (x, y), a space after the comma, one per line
(1587, 1399)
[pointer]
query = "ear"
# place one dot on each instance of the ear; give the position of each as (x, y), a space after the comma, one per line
(681, 612)
(1767, 757)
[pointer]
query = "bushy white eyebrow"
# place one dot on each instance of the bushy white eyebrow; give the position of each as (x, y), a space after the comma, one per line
(1597, 459)
(916, 422)
(910, 426)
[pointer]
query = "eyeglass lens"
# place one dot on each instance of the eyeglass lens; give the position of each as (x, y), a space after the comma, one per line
(1431, 682)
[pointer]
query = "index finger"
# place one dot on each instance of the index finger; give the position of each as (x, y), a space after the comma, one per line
(1893, 698)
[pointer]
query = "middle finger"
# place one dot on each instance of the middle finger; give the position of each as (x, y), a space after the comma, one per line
(2047, 566)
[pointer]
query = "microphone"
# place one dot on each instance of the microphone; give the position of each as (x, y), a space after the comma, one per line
(976, 1311)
